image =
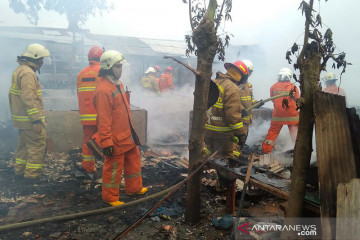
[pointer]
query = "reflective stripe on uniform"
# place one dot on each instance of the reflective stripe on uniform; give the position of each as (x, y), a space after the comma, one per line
(246, 98)
(215, 128)
(32, 111)
(20, 161)
(86, 89)
(207, 151)
(285, 119)
(111, 185)
(14, 91)
(236, 153)
(247, 117)
(219, 102)
(135, 175)
(218, 105)
(39, 92)
(279, 92)
(88, 117)
(88, 158)
(20, 118)
(34, 165)
(236, 126)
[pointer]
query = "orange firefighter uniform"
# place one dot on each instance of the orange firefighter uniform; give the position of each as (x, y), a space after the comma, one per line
(165, 82)
(115, 129)
(26, 105)
(282, 116)
(86, 85)
(224, 119)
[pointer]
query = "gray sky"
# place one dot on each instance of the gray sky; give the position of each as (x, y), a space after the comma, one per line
(275, 25)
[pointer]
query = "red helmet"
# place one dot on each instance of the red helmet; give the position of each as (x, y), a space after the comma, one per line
(157, 68)
(241, 67)
(95, 53)
(168, 69)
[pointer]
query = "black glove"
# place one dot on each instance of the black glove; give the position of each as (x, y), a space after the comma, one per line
(243, 113)
(261, 104)
(242, 139)
(108, 151)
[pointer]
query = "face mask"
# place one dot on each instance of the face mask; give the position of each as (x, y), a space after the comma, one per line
(117, 70)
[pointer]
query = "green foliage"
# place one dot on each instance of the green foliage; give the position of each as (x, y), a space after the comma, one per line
(77, 11)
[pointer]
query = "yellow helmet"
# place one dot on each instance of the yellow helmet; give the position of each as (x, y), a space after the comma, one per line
(36, 51)
(109, 58)
(330, 77)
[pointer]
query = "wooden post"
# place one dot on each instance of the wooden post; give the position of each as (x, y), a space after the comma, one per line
(335, 156)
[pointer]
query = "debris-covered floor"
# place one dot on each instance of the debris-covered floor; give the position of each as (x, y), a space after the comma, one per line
(66, 189)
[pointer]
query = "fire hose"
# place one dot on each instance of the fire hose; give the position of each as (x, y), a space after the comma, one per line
(169, 191)
(266, 100)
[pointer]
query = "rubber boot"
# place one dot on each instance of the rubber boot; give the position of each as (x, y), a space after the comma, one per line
(117, 203)
(141, 192)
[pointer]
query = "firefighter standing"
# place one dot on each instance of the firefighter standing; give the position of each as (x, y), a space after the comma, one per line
(86, 84)
(165, 80)
(282, 116)
(27, 111)
(247, 97)
(331, 87)
(116, 132)
(224, 120)
(149, 81)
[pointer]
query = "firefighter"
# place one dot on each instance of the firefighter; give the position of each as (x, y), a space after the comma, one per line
(117, 136)
(157, 70)
(331, 87)
(224, 120)
(27, 111)
(87, 80)
(246, 96)
(149, 81)
(165, 80)
(282, 116)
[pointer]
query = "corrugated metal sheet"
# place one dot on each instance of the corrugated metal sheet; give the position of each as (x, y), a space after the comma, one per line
(336, 161)
(177, 48)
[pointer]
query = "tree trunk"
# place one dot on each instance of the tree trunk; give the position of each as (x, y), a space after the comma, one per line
(309, 83)
(205, 39)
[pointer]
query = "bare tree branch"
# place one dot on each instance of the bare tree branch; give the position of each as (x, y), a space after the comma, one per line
(185, 65)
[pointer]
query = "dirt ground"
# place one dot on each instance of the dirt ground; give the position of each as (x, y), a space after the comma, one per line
(65, 189)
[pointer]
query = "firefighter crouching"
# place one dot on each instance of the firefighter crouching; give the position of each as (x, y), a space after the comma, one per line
(224, 121)
(27, 111)
(86, 84)
(117, 136)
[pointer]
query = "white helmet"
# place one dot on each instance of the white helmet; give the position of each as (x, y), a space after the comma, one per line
(150, 70)
(329, 77)
(36, 51)
(249, 65)
(109, 58)
(285, 74)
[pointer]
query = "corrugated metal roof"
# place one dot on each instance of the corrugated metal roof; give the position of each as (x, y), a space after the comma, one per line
(169, 47)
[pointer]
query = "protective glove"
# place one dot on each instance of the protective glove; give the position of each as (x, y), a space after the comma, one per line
(38, 126)
(243, 113)
(242, 139)
(108, 151)
(261, 104)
